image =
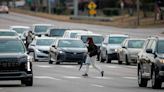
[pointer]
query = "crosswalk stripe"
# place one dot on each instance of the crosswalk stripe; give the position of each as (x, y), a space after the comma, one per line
(45, 66)
(46, 77)
(95, 85)
(133, 78)
(71, 77)
(68, 66)
(1, 88)
(113, 67)
(107, 78)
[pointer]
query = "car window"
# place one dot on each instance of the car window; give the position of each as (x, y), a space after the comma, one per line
(8, 34)
(96, 39)
(71, 44)
(57, 32)
(153, 46)
(40, 29)
(149, 44)
(44, 42)
(20, 30)
(116, 40)
(135, 43)
(11, 46)
(73, 35)
(160, 46)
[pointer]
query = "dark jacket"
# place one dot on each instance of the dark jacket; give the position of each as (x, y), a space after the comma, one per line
(92, 49)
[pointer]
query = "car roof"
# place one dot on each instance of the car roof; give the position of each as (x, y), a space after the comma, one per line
(20, 27)
(67, 39)
(42, 24)
(91, 34)
(45, 38)
(135, 39)
(78, 31)
(6, 30)
(118, 35)
(9, 37)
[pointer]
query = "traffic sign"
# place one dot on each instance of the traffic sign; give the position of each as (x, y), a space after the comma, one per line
(92, 12)
(92, 5)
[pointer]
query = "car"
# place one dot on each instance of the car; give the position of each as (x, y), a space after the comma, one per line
(56, 32)
(15, 63)
(67, 50)
(108, 49)
(73, 33)
(151, 63)
(41, 29)
(21, 30)
(129, 50)
(97, 38)
(7, 32)
(4, 9)
(39, 48)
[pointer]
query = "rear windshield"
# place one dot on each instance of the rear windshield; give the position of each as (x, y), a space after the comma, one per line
(96, 39)
(116, 40)
(57, 32)
(8, 34)
(11, 46)
(44, 42)
(39, 29)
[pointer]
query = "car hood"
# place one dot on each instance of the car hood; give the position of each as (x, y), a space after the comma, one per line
(74, 49)
(113, 46)
(134, 51)
(45, 48)
(12, 55)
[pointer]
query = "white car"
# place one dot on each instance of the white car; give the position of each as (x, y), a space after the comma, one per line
(129, 51)
(39, 48)
(4, 9)
(73, 33)
(41, 29)
(21, 30)
(108, 49)
(97, 39)
(7, 32)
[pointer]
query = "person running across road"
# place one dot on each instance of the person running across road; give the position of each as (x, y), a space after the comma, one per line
(91, 57)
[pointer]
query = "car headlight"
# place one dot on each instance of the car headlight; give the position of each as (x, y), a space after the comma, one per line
(161, 61)
(61, 52)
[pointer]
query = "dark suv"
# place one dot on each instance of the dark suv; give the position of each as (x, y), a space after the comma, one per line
(15, 64)
(151, 63)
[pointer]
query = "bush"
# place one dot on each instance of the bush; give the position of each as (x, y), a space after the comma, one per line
(111, 11)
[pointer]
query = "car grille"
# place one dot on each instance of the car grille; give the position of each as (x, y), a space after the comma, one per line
(9, 65)
(46, 52)
(74, 55)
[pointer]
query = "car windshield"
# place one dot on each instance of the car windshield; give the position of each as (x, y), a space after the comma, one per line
(116, 40)
(8, 34)
(160, 46)
(57, 32)
(96, 39)
(135, 43)
(20, 30)
(11, 46)
(44, 42)
(71, 44)
(39, 29)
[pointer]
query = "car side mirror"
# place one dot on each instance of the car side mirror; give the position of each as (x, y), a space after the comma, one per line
(46, 34)
(124, 47)
(149, 51)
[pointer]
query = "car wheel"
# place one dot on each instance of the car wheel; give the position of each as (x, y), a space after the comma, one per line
(57, 63)
(119, 61)
(50, 61)
(141, 81)
(108, 60)
(127, 60)
(156, 83)
(27, 81)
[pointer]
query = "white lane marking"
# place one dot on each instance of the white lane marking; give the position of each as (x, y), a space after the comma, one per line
(71, 77)
(44, 66)
(95, 85)
(46, 77)
(113, 67)
(1, 88)
(68, 66)
(132, 78)
(107, 78)
(134, 67)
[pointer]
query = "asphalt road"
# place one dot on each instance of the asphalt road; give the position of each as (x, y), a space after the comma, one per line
(66, 77)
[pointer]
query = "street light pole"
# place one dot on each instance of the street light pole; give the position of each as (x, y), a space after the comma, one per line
(49, 6)
(138, 12)
(75, 7)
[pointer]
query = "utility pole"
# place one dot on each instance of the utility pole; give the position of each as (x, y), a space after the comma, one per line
(49, 6)
(138, 12)
(75, 7)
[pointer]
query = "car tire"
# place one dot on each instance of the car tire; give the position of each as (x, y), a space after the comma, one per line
(27, 81)
(127, 60)
(156, 82)
(108, 60)
(57, 63)
(141, 81)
